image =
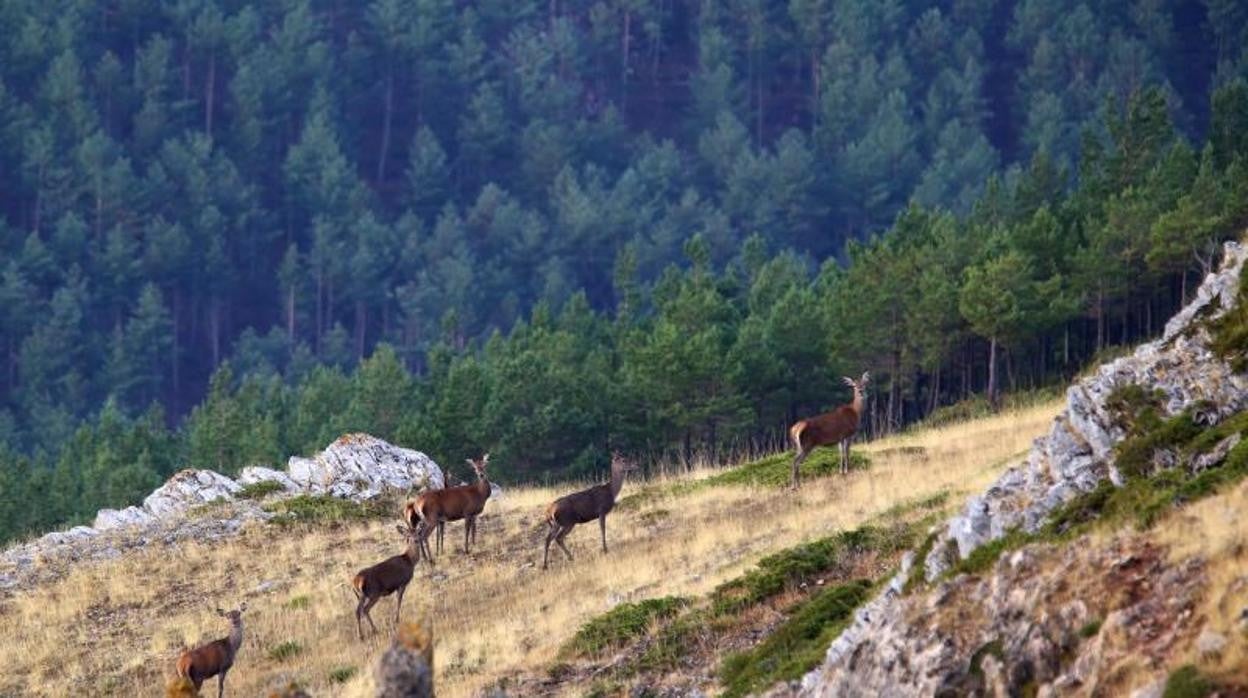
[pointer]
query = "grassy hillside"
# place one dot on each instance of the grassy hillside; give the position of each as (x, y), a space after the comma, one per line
(495, 614)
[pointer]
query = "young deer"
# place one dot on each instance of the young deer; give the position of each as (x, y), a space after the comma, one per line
(434, 508)
(584, 506)
(216, 657)
(837, 426)
(385, 578)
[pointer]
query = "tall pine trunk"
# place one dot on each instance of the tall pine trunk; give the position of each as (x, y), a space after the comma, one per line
(992, 372)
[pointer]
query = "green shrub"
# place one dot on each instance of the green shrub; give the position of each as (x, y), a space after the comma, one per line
(794, 566)
(285, 650)
(1091, 628)
(307, 508)
(675, 641)
(342, 674)
(259, 490)
(797, 645)
(777, 470)
(621, 624)
(1187, 682)
(298, 603)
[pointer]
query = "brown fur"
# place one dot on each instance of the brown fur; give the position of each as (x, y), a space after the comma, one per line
(385, 578)
(214, 658)
(584, 506)
(835, 427)
(433, 509)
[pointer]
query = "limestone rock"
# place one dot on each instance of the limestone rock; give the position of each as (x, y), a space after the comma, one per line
(107, 519)
(189, 488)
(254, 474)
(360, 466)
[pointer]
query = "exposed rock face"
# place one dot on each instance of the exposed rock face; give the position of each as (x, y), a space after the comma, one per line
(255, 474)
(356, 466)
(1076, 454)
(895, 645)
(361, 466)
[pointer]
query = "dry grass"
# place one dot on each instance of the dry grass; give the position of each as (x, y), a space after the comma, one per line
(116, 627)
(1216, 529)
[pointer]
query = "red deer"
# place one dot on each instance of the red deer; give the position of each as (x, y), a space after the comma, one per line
(434, 508)
(837, 426)
(216, 657)
(385, 578)
(584, 506)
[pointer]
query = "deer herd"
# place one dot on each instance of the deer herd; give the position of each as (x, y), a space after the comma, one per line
(435, 508)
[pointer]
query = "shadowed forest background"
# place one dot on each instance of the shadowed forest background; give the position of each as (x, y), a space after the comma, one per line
(231, 231)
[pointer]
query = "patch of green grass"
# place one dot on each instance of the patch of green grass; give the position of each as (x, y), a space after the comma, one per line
(285, 650)
(794, 566)
(918, 571)
(342, 674)
(1091, 628)
(259, 490)
(936, 502)
(797, 645)
(777, 470)
(620, 625)
(993, 648)
(298, 603)
(1187, 682)
(986, 555)
(675, 641)
(307, 508)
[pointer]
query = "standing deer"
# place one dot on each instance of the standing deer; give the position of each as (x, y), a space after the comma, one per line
(385, 578)
(837, 426)
(216, 657)
(434, 508)
(584, 506)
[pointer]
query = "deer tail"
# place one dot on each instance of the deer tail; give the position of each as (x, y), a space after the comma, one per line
(795, 433)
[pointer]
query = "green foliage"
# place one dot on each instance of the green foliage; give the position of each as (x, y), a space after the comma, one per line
(799, 565)
(307, 508)
(565, 252)
(776, 471)
(798, 644)
(342, 674)
(285, 650)
(298, 603)
(1091, 628)
(1187, 682)
(620, 625)
(259, 490)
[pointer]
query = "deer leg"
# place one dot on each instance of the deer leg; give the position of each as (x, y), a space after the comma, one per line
(359, 612)
(845, 457)
(563, 531)
(368, 607)
(221, 684)
(602, 526)
(474, 531)
(441, 533)
(550, 535)
(797, 463)
(398, 605)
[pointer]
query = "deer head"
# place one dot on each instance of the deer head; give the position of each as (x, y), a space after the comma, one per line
(478, 466)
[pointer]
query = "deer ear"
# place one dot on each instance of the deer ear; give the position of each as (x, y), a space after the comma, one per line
(866, 376)
(848, 381)
(243, 607)
(485, 459)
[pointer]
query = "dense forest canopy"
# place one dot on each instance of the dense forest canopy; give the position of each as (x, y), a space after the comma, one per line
(232, 230)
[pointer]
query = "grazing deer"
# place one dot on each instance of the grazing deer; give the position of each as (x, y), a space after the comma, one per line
(837, 426)
(216, 657)
(434, 508)
(385, 578)
(584, 506)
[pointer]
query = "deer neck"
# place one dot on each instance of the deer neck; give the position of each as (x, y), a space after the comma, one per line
(236, 637)
(617, 482)
(482, 485)
(856, 405)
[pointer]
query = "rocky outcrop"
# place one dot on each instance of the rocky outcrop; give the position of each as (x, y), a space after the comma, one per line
(361, 466)
(901, 645)
(1076, 454)
(356, 466)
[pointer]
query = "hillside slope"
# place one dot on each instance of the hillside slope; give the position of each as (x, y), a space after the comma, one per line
(1083, 570)
(495, 615)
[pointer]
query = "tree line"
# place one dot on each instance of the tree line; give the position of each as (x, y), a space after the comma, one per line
(677, 221)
